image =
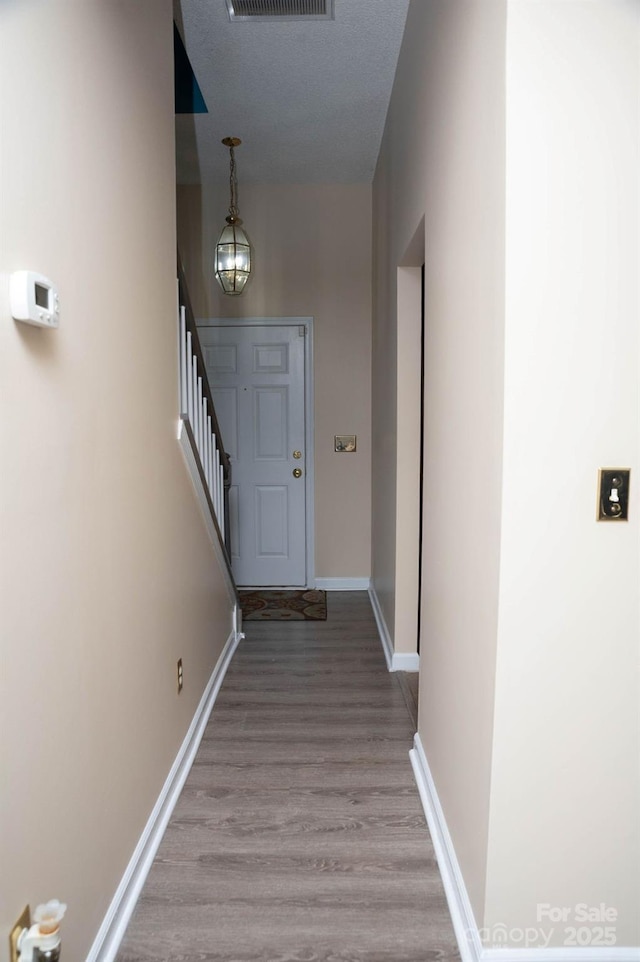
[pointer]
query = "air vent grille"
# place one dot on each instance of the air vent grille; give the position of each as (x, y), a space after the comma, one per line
(281, 9)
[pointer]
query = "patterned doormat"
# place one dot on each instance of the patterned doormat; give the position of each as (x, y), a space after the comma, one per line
(304, 605)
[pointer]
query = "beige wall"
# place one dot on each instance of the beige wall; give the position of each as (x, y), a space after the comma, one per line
(565, 798)
(530, 608)
(408, 419)
(107, 576)
(312, 258)
(442, 157)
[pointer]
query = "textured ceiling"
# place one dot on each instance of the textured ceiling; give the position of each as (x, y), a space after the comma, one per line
(308, 99)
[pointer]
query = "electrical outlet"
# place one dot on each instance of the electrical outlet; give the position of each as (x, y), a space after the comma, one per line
(180, 675)
(24, 922)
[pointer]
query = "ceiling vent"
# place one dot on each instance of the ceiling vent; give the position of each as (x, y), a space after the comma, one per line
(278, 10)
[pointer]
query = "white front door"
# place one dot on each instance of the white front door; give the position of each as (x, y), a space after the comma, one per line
(257, 379)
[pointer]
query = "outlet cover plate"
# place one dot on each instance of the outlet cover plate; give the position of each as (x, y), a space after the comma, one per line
(24, 922)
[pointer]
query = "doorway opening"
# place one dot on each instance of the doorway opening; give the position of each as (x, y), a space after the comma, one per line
(421, 472)
(409, 453)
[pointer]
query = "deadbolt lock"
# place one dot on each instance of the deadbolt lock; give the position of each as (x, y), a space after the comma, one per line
(297, 455)
(297, 473)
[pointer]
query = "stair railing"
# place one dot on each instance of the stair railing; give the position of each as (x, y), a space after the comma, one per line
(198, 416)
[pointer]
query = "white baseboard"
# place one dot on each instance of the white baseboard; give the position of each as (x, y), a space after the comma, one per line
(342, 584)
(111, 932)
(464, 923)
(405, 661)
(383, 631)
(396, 661)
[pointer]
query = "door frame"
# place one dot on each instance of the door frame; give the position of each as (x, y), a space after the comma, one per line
(309, 418)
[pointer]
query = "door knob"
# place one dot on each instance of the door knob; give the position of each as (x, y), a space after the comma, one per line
(297, 473)
(297, 455)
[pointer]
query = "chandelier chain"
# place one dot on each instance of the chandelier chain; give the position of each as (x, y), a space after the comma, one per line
(233, 186)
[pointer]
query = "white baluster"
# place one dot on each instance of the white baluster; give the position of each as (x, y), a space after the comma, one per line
(200, 422)
(189, 362)
(196, 409)
(218, 493)
(214, 475)
(210, 450)
(205, 440)
(194, 405)
(221, 489)
(207, 452)
(183, 361)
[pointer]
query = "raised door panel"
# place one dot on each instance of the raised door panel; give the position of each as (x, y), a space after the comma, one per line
(270, 423)
(270, 358)
(272, 521)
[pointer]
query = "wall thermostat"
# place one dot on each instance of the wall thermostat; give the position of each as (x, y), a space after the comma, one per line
(33, 299)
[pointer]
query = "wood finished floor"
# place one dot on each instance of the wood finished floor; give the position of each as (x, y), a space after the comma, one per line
(299, 835)
(408, 681)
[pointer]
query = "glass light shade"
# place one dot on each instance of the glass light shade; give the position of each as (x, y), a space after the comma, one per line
(233, 259)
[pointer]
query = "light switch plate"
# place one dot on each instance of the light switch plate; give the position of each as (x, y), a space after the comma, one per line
(613, 494)
(344, 443)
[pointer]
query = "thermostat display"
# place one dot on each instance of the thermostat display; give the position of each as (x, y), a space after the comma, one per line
(34, 299)
(42, 296)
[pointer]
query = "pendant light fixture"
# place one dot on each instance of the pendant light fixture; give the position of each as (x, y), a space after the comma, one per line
(233, 250)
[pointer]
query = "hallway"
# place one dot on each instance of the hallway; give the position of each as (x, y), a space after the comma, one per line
(299, 834)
